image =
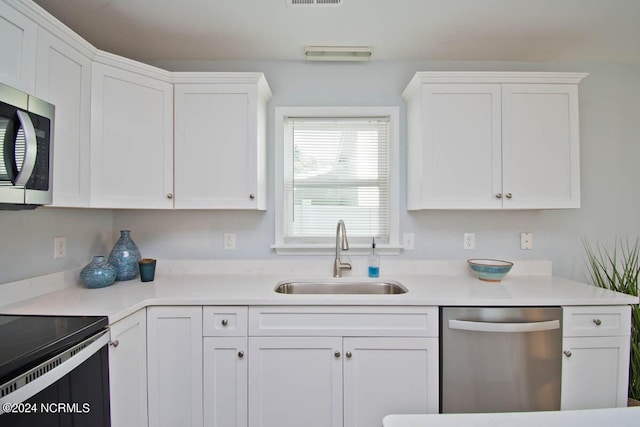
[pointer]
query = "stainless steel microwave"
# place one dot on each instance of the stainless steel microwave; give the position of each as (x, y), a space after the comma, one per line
(26, 150)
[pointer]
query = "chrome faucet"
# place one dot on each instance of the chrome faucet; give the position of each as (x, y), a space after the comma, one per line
(341, 243)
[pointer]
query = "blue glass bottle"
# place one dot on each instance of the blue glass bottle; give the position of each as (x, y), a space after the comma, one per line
(125, 256)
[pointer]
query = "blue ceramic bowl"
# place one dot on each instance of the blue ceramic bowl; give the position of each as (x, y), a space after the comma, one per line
(490, 270)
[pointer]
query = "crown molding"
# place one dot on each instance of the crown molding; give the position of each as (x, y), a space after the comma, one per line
(497, 77)
(251, 78)
(51, 24)
(131, 65)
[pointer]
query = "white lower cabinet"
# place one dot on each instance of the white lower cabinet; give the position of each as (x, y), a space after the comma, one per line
(295, 381)
(379, 361)
(174, 363)
(225, 357)
(128, 371)
(389, 375)
(595, 364)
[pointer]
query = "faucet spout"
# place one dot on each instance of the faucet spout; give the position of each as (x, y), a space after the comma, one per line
(341, 243)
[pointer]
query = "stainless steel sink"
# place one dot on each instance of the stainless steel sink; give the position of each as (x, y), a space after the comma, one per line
(340, 287)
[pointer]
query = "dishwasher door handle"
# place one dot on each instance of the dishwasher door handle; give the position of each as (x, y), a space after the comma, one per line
(467, 325)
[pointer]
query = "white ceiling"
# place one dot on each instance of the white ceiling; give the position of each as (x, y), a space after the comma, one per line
(493, 30)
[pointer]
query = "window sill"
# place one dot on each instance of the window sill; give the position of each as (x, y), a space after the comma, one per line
(325, 249)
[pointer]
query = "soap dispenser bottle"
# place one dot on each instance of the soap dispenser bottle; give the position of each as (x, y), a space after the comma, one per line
(374, 261)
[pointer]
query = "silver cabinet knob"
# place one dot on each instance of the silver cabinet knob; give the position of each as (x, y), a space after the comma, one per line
(499, 196)
(241, 354)
(348, 354)
(170, 196)
(114, 343)
(509, 195)
(224, 322)
(252, 196)
(598, 322)
(567, 353)
(336, 354)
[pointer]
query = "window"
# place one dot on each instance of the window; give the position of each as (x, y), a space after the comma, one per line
(332, 164)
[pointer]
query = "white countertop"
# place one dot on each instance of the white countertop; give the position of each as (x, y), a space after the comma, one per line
(618, 417)
(123, 298)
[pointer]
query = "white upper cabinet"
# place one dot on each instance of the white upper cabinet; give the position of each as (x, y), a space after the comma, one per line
(19, 36)
(493, 141)
(540, 146)
(131, 138)
(220, 140)
(63, 78)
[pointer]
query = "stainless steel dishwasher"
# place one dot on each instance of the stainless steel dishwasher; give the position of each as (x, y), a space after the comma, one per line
(500, 359)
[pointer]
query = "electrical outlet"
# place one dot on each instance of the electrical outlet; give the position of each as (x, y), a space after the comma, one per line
(229, 240)
(59, 247)
(526, 241)
(408, 241)
(469, 241)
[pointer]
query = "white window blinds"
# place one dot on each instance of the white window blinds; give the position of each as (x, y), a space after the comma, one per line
(336, 168)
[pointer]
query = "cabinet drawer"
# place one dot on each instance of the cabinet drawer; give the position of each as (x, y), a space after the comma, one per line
(343, 321)
(597, 321)
(224, 321)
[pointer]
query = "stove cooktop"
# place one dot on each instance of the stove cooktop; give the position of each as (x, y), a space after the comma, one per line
(26, 341)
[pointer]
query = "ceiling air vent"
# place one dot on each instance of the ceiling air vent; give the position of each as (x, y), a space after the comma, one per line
(313, 3)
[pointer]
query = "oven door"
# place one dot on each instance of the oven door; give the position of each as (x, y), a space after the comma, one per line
(70, 389)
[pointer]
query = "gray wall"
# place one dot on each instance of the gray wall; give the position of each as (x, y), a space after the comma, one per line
(610, 149)
(27, 240)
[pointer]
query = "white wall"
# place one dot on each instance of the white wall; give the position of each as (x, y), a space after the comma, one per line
(27, 240)
(610, 150)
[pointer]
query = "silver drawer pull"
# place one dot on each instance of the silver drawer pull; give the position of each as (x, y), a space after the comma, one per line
(348, 354)
(598, 322)
(114, 343)
(241, 354)
(567, 353)
(336, 354)
(224, 322)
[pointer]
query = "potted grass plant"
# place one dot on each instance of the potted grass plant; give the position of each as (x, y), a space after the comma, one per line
(618, 269)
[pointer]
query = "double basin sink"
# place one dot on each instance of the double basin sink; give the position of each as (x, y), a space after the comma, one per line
(340, 287)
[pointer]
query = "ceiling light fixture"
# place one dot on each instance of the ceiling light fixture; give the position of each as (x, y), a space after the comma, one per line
(337, 53)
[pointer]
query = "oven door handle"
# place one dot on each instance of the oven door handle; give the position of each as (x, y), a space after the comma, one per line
(467, 325)
(67, 361)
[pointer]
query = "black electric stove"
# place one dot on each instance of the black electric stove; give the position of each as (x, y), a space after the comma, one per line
(26, 341)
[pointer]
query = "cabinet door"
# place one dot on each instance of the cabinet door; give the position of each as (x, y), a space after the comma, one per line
(128, 371)
(456, 159)
(216, 147)
(18, 49)
(385, 376)
(174, 338)
(595, 372)
(225, 381)
(540, 143)
(131, 140)
(63, 78)
(295, 381)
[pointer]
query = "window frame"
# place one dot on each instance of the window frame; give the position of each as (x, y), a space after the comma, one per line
(393, 113)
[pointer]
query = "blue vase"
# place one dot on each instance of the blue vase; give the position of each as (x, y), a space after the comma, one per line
(98, 273)
(125, 256)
